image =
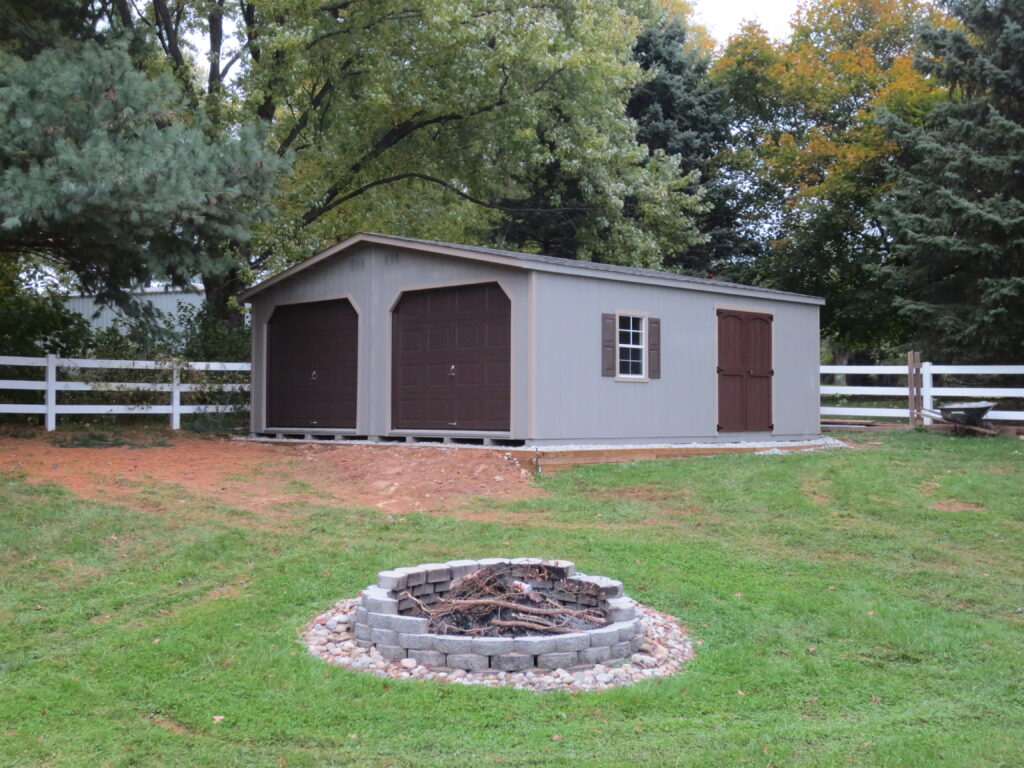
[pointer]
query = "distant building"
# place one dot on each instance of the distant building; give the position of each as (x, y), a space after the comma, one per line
(162, 298)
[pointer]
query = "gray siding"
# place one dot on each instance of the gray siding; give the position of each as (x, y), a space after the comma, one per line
(574, 402)
(166, 302)
(373, 278)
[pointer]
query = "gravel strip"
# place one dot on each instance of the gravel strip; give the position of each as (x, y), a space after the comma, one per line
(665, 649)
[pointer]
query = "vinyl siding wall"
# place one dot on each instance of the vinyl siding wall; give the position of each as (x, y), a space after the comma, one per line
(575, 403)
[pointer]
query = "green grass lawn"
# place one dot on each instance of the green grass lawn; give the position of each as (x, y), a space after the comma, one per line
(852, 607)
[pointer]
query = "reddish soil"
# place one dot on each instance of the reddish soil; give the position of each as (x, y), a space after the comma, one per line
(265, 478)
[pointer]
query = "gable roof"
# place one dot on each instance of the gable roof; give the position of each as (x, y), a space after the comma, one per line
(536, 262)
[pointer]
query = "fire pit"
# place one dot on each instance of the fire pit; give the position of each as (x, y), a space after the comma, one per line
(501, 614)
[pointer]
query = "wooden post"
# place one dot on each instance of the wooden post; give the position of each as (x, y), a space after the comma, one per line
(914, 388)
(51, 393)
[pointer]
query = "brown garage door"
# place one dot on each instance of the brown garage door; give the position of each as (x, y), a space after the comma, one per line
(744, 371)
(312, 356)
(451, 352)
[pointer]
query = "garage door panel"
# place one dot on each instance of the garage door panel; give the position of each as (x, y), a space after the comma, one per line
(312, 360)
(467, 382)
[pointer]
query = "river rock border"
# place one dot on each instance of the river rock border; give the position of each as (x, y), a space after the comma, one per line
(640, 642)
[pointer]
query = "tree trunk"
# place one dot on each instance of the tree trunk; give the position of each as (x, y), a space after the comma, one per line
(220, 288)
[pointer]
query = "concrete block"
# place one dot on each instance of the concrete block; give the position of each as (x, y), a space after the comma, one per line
(567, 567)
(391, 652)
(606, 587)
(437, 572)
(359, 615)
(574, 642)
(468, 661)
(455, 644)
(441, 587)
(484, 562)
(376, 600)
(417, 641)
(535, 646)
(620, 609)
(627, 629)
(597, 655)
(492, 646)
(512, 662)
(393, 581)
(526, 561)
(413, 576)
(621, 651)
(604, 636)
(557, 660)
(460, 568)
(636, 642)
(362, 631)
(405, 604)
(384, 637)
(422, 589)
(413, 625)
(428, 657)
(363, 644)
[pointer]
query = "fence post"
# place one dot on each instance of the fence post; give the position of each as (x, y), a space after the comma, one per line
(175, 395)
(914, 388)
(927, 384)
(51, 393)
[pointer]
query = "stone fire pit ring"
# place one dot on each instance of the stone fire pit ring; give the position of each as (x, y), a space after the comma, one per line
(381, 620)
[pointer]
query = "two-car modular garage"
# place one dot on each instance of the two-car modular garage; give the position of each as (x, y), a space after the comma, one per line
(395, 338)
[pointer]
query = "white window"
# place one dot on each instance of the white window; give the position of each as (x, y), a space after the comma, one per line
(631, 345)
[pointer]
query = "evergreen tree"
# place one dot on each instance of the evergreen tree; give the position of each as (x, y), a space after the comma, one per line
(105, 173)
(956, 215)
(680, 111)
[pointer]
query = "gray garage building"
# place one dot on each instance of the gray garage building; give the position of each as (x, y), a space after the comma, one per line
(397, 338)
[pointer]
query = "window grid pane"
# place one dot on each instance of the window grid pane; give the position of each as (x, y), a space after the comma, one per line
(631, 345)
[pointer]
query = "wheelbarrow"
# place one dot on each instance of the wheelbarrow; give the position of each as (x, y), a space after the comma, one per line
(966, 417)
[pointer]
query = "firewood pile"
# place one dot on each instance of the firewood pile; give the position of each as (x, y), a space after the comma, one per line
(500, 600)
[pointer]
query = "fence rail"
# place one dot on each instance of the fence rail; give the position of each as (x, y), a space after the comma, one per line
(920, 383)
(50, 384)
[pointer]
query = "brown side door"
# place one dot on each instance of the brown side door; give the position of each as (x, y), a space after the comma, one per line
(451, 359)
(312, 362)
(744, 371)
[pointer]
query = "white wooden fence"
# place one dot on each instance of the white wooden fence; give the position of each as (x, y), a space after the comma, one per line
(51, 384)
(52, 366)
(929, 389)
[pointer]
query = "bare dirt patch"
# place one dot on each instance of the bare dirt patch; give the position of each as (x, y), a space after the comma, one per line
(956, 506)
(268, 478)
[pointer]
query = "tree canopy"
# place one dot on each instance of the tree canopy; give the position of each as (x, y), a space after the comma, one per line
(105, 172)
(956, 211)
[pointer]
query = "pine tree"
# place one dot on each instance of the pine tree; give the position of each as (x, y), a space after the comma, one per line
(956, 215)
(106, 174)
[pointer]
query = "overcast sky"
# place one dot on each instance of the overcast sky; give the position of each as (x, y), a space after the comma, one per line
(723, 17)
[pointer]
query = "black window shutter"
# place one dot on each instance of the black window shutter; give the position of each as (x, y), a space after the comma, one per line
(653, 348)
(607, 345)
